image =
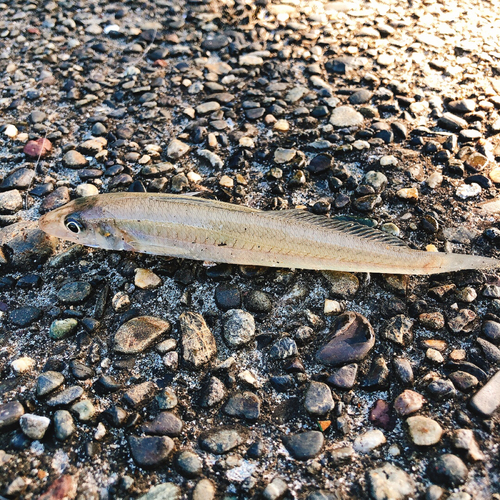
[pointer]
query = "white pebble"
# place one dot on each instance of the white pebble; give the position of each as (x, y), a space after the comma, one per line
(11, 131)
(22, 365)
(468, 190)
(369, 441)
(86, 190)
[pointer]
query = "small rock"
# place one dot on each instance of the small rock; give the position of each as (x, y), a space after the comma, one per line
(49, 381)
(146, 279)
(487, 399)
(283, 348)
(151, 451)
(189, 464)
(243, 405)
(345, 377)
(239, 327)
(399, 330)
(10, 202)
(140, 394)
(22, 365)
(424, 431)
(38, 148)
(305, 445)
(319, 400)
(408, 402)
(449, 470)
(198, 343)
(275, 490)
(342, 285)
(165, 424)
(369, 441)
(10, 413)
(138, 334)
(63, 328)
(74, 292)
(345, 116)
(163, 491)
(204, 490)
(74, 159)
(34, 426)
(221, 440)
(177, 149)
(64, 425)
(389, 483)
(66, 397)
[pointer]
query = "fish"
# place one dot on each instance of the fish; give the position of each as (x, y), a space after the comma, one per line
(209, 230)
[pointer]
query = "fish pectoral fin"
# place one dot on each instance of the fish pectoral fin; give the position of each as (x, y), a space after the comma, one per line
(348, 227)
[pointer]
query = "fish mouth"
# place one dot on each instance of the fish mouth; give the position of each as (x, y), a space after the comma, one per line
(52, 222)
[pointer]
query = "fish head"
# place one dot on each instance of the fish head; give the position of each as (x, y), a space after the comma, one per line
(86, 221)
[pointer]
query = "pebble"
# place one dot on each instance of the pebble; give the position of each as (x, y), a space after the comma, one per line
(38, 148)
(215, 392)
(487, 399)
(466, 191)
(10, 413)
(243, 405)
(204, 490)
(221, 440)
(198, 342)
(34, 426)
(177, 149)
(345, 377)
(491, 330)
(84, 409)
(151, 451)
(304, 445)
(165, 424)
(275, 490)
(408, 402)
(342, 285)
(22, 178)
(22, 365)
(258, 302)
(48, 382)
(189, 464)
(351, 339)
(10, 202)
(138, 334)
(399, 330)
(63, 328)
(162, 491)
(424, 431)
(346, 116)
(319, 400)
(66, 396)
(283, 348)
(74, 159)
(25, 316)
(389, 482)
(449, 470)
(367, 442)
(74, 292)
(227, 296)
(64, 426)
(140, 394)
(239, 327)
(463, 439)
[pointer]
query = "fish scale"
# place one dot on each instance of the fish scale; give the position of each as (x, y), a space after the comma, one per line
(209, 230)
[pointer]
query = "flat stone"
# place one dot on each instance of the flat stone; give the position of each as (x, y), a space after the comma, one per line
(239, 327)
(346, 116)
(381, 415)
(491, 330)
(34, 426)
(189, 464)
(146, 279)
(74, 292)
(368, 441)
(74, 159)
(491, 351)
(389, 483)
(64, 425)
(177, 149)
(463, 321)
(23, 365)
(25, 316)
(351, 339)
(10, 201)
(221, 440)
(399, 330)
(243, 405)
(487, 399)
(165, 424)
(163, 491)
(84, 409)
(452, 122)
(198, 342)
(304, 445)
(282, 155)
(275, 490)
(424, 431)
(66, 397)
(449, 470)
(283, 348)
(214, 392)
(408, 402)
(342, 285)
(62, 328)
(463, 381)
(138, 334)
(10, 413)
(151, 451)
(344, 377)
(319, 399)
(140, 394)
(360, 97)
(48, 381)
(21, 178)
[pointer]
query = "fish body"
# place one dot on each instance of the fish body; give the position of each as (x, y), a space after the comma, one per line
(200, 229)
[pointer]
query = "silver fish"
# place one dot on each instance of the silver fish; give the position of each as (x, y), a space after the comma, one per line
(200, 229)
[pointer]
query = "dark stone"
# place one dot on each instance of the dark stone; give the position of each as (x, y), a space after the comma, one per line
(362, 96)
(74, 292)
(381, 415)
(257, 301)
(282, 383)
(257, 449)
(344, 378)
(449, 470)
(228, 296)
(10, 413)
(151, 451)
(106, 384)
(25, 316)
(189, 464)
(19, 179)
(215, 43)
(491, 330)
(491, 351)
(243, 405)
(351, 339)
(66, 397)
(221, 440)
(305, 445)
(165, 424)
(378, 376)
(81, 371)
(116, 416)
(320, 163)
(140, 394)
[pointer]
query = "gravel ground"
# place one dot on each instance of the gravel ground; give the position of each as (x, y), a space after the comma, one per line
(133, 376)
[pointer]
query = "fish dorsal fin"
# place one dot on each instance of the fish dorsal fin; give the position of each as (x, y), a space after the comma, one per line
(347, 227)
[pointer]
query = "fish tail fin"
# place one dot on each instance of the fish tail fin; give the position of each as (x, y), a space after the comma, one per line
(451, 262)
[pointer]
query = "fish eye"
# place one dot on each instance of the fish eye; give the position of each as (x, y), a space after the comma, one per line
(74, 225)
